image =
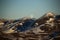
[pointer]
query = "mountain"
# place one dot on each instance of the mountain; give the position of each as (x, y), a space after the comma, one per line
(32, 29)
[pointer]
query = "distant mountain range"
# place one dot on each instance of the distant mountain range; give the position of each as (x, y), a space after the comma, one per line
(26, 23)
(48, 25)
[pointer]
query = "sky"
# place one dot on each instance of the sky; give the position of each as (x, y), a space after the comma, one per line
(14, 9)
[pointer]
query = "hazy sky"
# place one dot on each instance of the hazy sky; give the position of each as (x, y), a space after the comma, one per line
(14, 9)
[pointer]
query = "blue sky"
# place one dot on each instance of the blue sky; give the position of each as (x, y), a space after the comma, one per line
(14, 9)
